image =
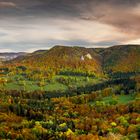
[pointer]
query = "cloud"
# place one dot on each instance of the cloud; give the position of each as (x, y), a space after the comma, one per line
(2, 34)
(91, 23)
(124, 15)
(121, 18)
(5, 50)
(7, 4)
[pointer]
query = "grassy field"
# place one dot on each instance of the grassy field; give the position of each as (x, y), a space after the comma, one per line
(19, 82)
(121, 99)
(117, 99)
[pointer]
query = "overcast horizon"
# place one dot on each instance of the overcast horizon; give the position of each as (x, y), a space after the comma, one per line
(26, 26)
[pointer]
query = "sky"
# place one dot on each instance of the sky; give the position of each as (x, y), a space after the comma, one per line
(29, 25)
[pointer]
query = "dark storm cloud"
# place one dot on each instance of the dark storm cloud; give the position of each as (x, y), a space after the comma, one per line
(75, 7)
(68, 22)
(117, 13)
(64, 7)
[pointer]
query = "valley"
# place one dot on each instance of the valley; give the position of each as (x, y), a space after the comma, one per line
(72, 93)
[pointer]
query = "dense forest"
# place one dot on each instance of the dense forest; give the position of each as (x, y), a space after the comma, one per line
(87, 94)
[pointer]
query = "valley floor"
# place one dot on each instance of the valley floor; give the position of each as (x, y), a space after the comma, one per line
(67, 107)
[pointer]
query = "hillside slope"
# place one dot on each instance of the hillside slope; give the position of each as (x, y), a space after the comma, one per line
(10, 56)
(62, 57)
(122, 58)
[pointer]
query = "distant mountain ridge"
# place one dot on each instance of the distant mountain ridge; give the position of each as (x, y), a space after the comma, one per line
(10, 55)
(121, 58)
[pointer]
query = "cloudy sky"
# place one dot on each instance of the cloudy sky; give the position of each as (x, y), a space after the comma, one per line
(28, 25)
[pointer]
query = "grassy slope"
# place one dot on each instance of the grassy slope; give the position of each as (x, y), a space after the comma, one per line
(119, 99)
(49, 86)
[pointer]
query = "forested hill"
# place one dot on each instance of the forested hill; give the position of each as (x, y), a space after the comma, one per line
(121, 58)
(63, 57)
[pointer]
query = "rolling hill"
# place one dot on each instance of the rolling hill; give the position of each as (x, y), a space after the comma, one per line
(121, 58)
(10, 56)
(63, 57)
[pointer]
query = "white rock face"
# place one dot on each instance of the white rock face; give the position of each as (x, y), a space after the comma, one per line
(82, 58)
(88, 56)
